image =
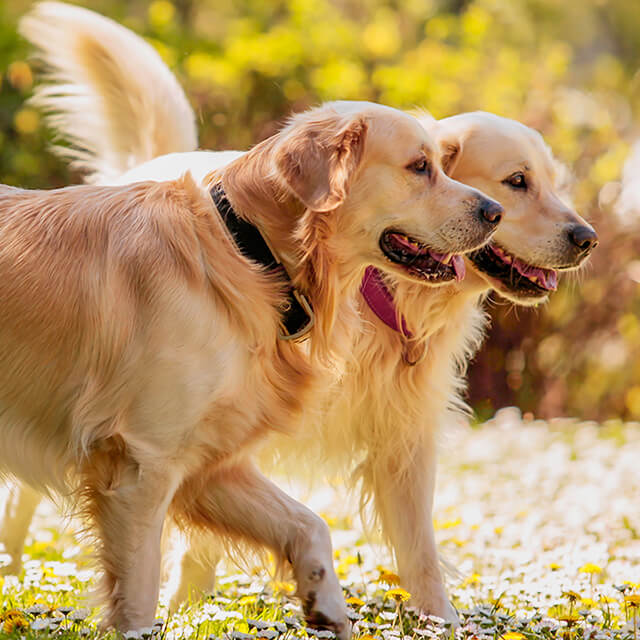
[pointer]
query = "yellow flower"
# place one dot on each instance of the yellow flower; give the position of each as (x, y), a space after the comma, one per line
(590, 568)
(633, 599)
(398, 594)
(19, 75)
(355, 601)
(12, 620)
(571, 595)
(554, 566)
(26, 121)
(161, 13)
(446, 524)
(512, 635)
(388, 577)
(472, 579)
(283, 587)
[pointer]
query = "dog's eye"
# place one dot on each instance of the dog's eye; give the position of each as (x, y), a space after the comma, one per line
(517, 181)
(421, 166)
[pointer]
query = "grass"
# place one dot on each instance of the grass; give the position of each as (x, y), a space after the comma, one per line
(541, 520)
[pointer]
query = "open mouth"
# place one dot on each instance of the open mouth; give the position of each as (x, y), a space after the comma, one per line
(515, 274)
(419, 260)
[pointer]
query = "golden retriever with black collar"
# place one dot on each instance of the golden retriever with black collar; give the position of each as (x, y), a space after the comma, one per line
(141, 358)
(398, 390)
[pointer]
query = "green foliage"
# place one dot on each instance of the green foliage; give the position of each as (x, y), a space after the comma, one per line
(567, 69)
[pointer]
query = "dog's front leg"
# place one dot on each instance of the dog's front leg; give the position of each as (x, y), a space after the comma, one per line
(19, 510)
(240, 502)
(128, 507)
(403, 499)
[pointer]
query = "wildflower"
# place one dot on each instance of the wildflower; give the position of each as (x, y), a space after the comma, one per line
(590, 568)
(388, 577)
(512, 635)
(398, 594)
(633, 599)
(13, 619)
(41, 624)
(283, 587)
(554, 566)
(355, 601)
(37, 609)
(78, 615)
(572, 596)
(259, 624)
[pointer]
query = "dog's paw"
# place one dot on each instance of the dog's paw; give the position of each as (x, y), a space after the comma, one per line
(323, 603)
(451, 615)
(442, 609)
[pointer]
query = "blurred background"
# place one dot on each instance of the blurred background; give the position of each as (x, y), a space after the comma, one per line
(569, 69)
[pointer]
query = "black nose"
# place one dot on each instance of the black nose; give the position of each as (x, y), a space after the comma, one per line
(490, 210)
(583, 237)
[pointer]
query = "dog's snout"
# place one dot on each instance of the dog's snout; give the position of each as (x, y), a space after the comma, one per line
(583, 237)
(490, 210)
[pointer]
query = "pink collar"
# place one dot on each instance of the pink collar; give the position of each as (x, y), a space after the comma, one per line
(380, 301)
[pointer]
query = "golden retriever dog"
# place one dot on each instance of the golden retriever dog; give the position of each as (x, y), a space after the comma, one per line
(143, 353)
(402, 386)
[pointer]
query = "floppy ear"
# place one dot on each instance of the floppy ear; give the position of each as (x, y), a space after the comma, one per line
(450, 151)
(316, 159)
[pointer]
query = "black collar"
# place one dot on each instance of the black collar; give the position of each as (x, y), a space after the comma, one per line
(297, 315)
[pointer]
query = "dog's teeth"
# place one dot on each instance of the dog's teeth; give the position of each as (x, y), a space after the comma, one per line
(447, 258)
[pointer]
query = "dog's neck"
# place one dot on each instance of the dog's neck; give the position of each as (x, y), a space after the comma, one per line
(304, 241)
(427, 309)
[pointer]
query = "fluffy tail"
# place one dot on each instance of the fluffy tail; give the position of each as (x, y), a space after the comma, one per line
(106, 92)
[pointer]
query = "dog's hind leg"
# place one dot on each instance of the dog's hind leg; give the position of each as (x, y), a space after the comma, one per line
(239, 502)
(19, 510)
(127, 503)
(197, 569)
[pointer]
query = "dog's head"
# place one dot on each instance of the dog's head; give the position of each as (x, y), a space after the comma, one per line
(370, 179)
(540, 234)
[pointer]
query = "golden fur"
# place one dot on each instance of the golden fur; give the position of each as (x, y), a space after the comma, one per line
(381, 417)
(140, 358)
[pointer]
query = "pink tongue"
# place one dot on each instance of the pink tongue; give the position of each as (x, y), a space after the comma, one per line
(548, 279)
(457, 262)
(459, 267)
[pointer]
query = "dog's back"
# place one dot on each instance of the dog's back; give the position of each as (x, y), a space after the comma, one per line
(80, 269)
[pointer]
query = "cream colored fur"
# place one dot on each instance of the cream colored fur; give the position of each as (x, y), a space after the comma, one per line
(113, 127)
(382, 419)
(141, 362)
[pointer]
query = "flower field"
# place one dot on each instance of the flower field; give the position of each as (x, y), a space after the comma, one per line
(541, 521)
